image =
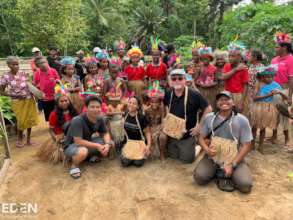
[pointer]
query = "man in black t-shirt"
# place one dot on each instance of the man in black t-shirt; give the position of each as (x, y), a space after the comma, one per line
(54, 59)
(87, 136)
(183, 149)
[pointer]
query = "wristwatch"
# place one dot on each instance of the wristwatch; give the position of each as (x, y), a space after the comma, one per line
(111, 143)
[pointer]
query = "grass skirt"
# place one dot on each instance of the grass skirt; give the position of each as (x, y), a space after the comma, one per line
(264, 115)
(51, 151)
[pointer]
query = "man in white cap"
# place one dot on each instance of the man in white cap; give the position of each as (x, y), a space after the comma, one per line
(183, 103)
(36, 52)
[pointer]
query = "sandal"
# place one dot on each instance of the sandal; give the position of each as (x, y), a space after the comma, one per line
(225, 184)
(287, 148)
(75, 173)
(19, 144)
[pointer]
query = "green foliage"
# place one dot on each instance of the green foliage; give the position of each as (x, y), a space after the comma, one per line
(256, 25)
(52, 23)
(5, 105)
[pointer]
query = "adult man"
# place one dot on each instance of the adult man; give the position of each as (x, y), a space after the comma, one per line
(87, 136)
(54, 59)
(80, 65)
(183, 148)
(36, 53)
(284, 76)
(235, 75)
(228, 124)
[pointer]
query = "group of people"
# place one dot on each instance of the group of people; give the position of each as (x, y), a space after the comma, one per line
(135, 107)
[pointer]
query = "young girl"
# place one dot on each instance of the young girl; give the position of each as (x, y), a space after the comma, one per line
(93, 83)
(155, 114)
(136, 128)
(134, 72)
(206, 81)
(72, 83)
(264, 112)
(115, 112)
(103, 65)
(63, 113)
(22, 102)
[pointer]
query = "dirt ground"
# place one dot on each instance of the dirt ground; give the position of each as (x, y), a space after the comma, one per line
(108, 191)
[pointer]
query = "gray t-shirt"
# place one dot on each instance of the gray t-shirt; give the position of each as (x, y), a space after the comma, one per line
(240, 127)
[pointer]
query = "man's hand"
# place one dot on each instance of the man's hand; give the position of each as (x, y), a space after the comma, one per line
(228, 170)
(240, 67)
(104, 149)
(211, 151)
(195, 131)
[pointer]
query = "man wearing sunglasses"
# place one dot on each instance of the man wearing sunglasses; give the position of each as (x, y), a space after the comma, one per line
(174, 100)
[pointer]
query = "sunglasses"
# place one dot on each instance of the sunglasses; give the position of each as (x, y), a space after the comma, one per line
(174, 78)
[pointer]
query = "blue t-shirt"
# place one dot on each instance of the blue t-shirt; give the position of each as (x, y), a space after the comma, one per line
(266, 89)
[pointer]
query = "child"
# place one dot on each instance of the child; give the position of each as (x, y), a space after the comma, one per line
(63, 113)
(92, 83)
(115, 112)
(155, 114)
(72, 83)
(264, 112)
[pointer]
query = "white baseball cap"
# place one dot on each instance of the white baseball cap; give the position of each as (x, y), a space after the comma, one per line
(97, 50)
(35, 49)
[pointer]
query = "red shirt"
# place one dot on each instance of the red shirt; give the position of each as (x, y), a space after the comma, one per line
(285, 68)
(235, 84)
(157, 72)
(46, 82)
(134, 73)
(53, 122)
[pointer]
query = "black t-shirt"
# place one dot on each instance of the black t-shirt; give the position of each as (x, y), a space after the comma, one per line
(132, 128)
(54, 63)
(80, 126)
(195, 102)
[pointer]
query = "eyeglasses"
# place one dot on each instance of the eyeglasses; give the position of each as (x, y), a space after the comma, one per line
(174, 78)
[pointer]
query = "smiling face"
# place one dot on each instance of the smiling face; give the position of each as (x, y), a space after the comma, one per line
(178, 81)
(120, 52)
(93, 68)
(94, 109)
(156, 56)
(63, 102)
(135, 59)
(225, 103)
(104, 63)
(132, 105)
(69, 70)
(234, 57)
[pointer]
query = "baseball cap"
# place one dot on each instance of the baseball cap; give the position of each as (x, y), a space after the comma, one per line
(35, 49)
(178, 72)
(224, 93)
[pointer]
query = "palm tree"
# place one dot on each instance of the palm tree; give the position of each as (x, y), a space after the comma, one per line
(148, 18)
(103, 10)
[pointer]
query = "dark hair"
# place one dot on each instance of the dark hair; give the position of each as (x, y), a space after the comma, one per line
(99, 65)
(87, 66)
(257, 54)
(288, 46)
(170, 48)
(139, 104)
(38, 59)
(63, 68)
(60, 115)
(92, 98)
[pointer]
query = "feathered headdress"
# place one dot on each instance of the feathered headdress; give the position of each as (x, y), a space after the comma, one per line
(134, 51)
(266, 70)
(68, 61)
(155, 91)
(60, 90)
(155, 43)
(282, 38)
(119, 45)
(197, 45)
(236, 45)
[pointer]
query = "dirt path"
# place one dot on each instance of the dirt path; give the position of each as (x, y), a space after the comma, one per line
(107, 191)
